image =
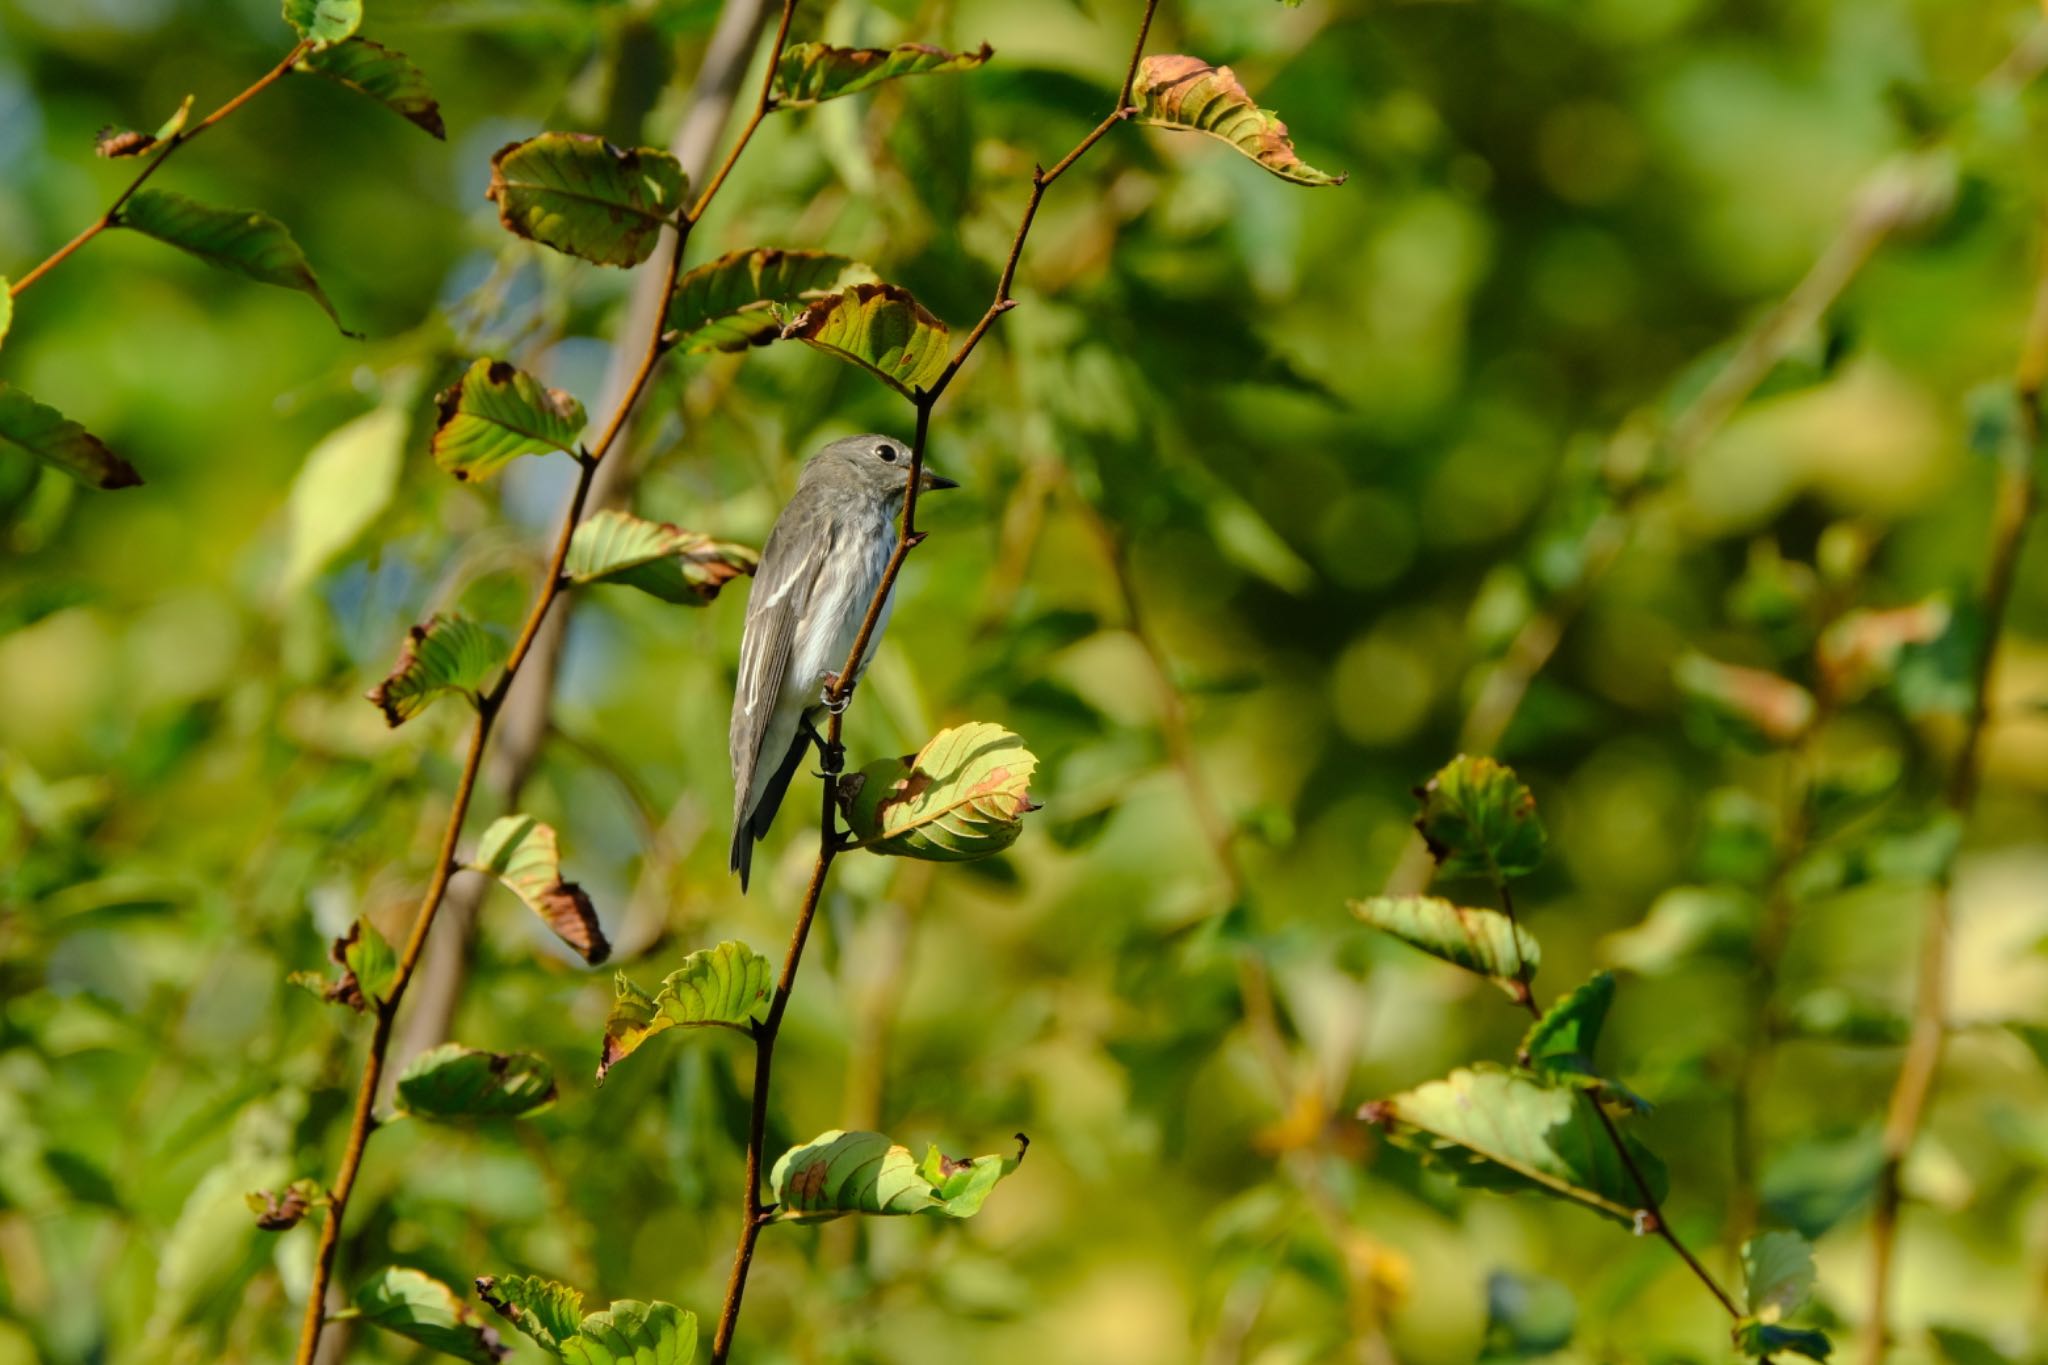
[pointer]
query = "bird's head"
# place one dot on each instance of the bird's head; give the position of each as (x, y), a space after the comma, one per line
(872, 464)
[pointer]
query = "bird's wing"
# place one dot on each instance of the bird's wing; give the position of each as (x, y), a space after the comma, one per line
(777, 602)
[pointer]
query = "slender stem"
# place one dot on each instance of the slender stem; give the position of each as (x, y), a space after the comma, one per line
(162, 153)
(2012, 508)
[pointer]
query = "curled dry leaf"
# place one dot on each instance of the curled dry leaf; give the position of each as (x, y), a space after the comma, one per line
(280, 1211)
(880, 328)
(521, 852)
(963, 796)
(1188, 94)
(447, 654)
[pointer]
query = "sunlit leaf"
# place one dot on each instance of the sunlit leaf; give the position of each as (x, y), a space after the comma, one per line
(241, 240)
(457, 1082)
(1777, 1274)
(737, 300)
(1187, 93)
(880, 328)
(1480, 820)
(447, 654)
(963, 796)
(813, 72)
(497, 412)
(543, 1309)
(1501, 1130)
(55, 439)
(417, 1306)
(6, 309)
(626, 1333)
(367, 964)
(730, 986)
(324, 21)
(384, 75)
(342, 488)
(658, 558)
(581, 195)
(838, 1173)
(1761, 706)
(1559, 1046)
(1482, 941)
(521, 852)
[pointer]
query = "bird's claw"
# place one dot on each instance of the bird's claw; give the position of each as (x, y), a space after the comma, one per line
(834, 701)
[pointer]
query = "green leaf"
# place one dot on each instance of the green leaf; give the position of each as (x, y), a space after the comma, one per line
(1762, 707)
(6, 309)
(543, 1309)
(1761, 1339)
(1527, 1317)
(838, 1173)
(1495, 1129)
(1188, 94)
(880, 328)
(1559, 1046)
(634, 1333)
(457, 1082)
(737, 300)
(581, 195)
(685, 567)
(963, 796)
(386, 76)
(1479, 820)
(1777, 1274)
(521, 852)
(497, 412)
(122, 142)
(729, 986)
(447, 654)
(810, 73)
(241, 240)
(1482, 941)
(55, 439)
(417, 1306)
(341, 490)
(368, 967)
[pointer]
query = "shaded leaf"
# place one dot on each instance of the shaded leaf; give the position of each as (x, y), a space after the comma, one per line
(686, 567)
(543, 1309)
(241, 240)
(281, 1212)
(1763, 706)
(1479, 820)
(730, 986)
(457, 1082)
(521, 852)
(1482, 941)
(736, 301)
(810, 73)
(1188, 94)
(6, 308)
(581, 195)
(1777, 1274)
(343, 487)
(447, 654)
(497, 412)
(55, 439)
(386, 76)
(417, 1306)
(1527, 1316)
(963, 796)
(1559, 1046)
(880, 328)
(1760, 1339)
(1495, 1129)
(838, 1173)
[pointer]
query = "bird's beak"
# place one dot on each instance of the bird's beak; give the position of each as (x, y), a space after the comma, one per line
(933, 483)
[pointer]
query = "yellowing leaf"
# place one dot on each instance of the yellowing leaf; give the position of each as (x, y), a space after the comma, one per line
(1482, 941)
(246, 242)
(730, 986)
(447, 654)
(736, 301)
(838, 1173)
(880, 328)
(1188, 94)
(963, 796)
(657, 558)
(386, 76)
(813, 72)
(324, 21)
(520, 851)
(1763, 706)
(341, 490)
(581, 195)
(496, 413)
(55, 439)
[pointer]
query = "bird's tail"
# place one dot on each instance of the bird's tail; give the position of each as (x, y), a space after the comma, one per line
(752, 825)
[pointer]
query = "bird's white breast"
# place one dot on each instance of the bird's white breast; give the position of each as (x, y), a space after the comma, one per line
(826, 634)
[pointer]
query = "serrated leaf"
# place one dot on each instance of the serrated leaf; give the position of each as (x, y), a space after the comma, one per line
(497, 412)
(634, 1333)
(1762, 1339)
(581, 195)
(838, 1173)
(963, 796)
(521, 852)
(736, 301)
(419, 1307)
(55, 439)
(1188, 94)
(1482, 941)
(685, 567)
(1777, 1274)
(241, 240)
(880, 328)
(342, 488)
(543, 1309)
(729, 986)
(385, 75)
(810, 73)
(1559, 1046)
(1495, 1129)
(447, 654)
(1480, 820)
(1762, 706)
(457, 1082)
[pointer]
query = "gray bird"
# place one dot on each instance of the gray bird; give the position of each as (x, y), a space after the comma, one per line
(817, 575)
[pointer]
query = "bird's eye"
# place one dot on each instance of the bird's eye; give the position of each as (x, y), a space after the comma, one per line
(887, 452)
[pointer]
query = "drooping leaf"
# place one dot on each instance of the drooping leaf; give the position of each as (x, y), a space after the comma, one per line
(1559, 1046)
(880, 328)
(457, 1082)
(634, 1333)
(543, 1309)
(343, 487)
(685, 567)
(1482, 941)
(521, 852)
(417, 1306)
(730, 986)
(385, 75)
(1777, 1274)
(281, 1211)
(1762, 1339)
(1188, 94)
(55, 439)
(963, 796)
(1762, 707)
(497, 412)
(1495, 1129)
(810, 73)
(737, 300)
(447, 654)
(241, 240)
(581, 195)
(838, 1173)
(1480, 820)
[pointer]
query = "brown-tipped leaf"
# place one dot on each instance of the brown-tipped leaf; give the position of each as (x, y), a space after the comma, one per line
(810, 73)
(521, 852)
(880, 328)
(730, 986)
(739, 299)
(1482, 941)
(838, 1173)
(684, 567)
(241, 240)
(963, 796)
(447, 654)
(386, 76)
(1479, 820)
(581, 195)
(497, 412)
(55, 439)
(1189, 94)
(1762, 706)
